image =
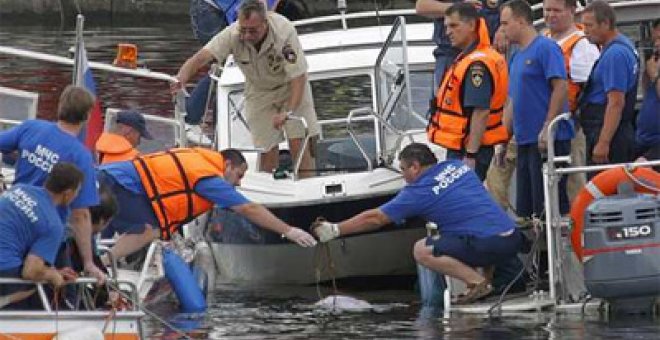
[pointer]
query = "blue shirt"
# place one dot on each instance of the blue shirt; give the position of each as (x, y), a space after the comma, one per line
(451, 195)
(214, 189)
(531, 71)
(648, 119)
(29, 225)
(230, 8)
(41, 145)
(615, 70)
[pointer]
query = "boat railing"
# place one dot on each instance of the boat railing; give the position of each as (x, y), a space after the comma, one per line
(553, 169)
(299, 156)
(353, 16)
(339, 121)
(81, 282)
(618, 5)
(351, 132)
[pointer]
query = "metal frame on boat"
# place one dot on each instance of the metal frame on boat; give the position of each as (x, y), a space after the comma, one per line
(51, 322)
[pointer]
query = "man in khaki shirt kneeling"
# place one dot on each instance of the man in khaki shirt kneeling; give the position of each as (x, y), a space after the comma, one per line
(266, 48)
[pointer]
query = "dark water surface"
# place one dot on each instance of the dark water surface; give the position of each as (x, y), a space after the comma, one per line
(282, 312)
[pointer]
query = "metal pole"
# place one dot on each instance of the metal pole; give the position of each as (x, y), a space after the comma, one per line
(77, 76)
(551, 204)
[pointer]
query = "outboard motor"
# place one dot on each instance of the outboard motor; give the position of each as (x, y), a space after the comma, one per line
(622, 251)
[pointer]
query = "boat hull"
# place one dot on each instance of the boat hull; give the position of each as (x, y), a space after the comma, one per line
(385, 253)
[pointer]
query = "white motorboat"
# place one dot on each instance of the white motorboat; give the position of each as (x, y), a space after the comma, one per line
(371, 87)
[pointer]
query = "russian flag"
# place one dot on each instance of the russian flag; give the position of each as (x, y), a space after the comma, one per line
(83, 77)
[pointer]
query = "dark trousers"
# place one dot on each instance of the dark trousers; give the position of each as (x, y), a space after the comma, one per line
(482, 161)
(622, 146)
(529, 180)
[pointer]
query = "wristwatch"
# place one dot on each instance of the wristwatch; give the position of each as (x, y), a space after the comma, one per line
(470, 155)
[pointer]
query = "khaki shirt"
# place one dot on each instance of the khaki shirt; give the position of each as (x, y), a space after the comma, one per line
(280, 59)
(268, 73)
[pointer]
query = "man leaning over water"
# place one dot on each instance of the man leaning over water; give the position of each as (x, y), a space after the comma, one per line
(475, 231)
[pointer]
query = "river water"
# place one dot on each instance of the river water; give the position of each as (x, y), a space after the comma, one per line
(272, 312)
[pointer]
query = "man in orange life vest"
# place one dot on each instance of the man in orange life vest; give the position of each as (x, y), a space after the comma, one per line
(579, 57)
(468, 120)
(159, 192)
(120, 144)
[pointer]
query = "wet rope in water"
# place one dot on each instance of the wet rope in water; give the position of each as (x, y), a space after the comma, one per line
(148, 312)
(322, 262)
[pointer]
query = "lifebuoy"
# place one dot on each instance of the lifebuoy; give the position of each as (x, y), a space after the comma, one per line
(602, 185)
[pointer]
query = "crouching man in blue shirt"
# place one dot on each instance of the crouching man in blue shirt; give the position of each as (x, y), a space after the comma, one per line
(32, 231)
(475, 231)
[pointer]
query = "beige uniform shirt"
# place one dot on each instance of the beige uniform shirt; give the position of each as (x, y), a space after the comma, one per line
(267, 78)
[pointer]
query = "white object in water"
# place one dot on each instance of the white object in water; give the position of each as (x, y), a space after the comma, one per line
(342, 303)
(87, 333)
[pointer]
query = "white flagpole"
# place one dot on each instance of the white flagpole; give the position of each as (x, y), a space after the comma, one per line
(78, 79)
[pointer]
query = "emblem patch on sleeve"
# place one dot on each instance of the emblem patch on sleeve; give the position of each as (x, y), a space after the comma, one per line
(477, 75)
(289, 54)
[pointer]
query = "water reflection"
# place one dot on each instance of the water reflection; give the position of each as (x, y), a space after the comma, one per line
(161, 49)
(288, 313)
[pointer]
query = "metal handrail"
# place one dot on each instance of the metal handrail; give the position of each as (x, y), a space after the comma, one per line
(551, 176)
(357, 15)
(78, 281)
(299, 156)
(145, 73)
(351, 132)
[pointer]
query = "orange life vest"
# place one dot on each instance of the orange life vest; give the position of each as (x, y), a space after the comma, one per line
(449, 126)
(111, 147)
(169, 178)
(567, 47)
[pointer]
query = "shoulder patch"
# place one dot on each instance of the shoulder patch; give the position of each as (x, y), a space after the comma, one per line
(289, 54)
(477, 75)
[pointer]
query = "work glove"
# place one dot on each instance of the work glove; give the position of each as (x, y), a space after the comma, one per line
(325, 230)
(303, 238)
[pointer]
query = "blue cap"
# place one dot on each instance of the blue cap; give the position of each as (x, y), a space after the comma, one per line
(135, 120)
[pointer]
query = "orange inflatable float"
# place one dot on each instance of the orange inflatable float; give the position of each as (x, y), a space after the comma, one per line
(602, 185)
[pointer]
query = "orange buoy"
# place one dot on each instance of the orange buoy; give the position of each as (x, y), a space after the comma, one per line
(602, 185)
(126, 56)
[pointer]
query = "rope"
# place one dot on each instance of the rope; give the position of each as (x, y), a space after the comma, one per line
(637, 181)
(323, 262)
(56, 303)
(148, 312)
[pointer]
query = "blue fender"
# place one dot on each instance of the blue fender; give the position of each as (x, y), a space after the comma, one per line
(177, 272)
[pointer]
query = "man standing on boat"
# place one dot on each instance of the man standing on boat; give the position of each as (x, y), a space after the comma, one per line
(159, 192)
(32, 230)
(121, 143)
(579, 57)
(468, 120)
(445, 53)
(43, 144)
(266, 48)
(648, 119)
(537, 93)
(475, 231)
(208, 18)
(608, 104)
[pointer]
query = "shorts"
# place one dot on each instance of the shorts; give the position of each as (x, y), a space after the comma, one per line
(529, 180)
(478, 251)
(262, 105)
(135, 210)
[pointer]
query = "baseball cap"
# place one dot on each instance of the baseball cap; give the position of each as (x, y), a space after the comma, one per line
(135, 120)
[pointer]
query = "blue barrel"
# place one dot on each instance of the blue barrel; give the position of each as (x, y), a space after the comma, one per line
(191, 298)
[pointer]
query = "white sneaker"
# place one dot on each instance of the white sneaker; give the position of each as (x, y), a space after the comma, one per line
(195, 135)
